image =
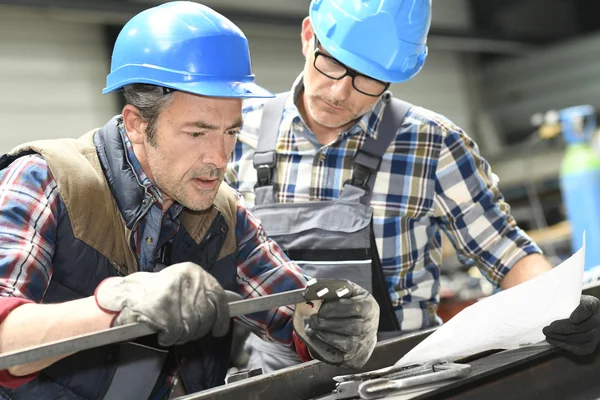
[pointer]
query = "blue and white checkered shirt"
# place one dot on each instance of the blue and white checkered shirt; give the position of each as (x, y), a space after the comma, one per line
(432, 179)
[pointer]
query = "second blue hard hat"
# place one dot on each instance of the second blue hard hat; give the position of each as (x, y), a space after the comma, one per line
(383, 39)
(185, 46)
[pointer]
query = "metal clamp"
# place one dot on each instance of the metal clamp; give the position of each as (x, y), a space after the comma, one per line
(428, 373)
(386, 381)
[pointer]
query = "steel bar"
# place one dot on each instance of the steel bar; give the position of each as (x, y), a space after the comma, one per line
(135, 330)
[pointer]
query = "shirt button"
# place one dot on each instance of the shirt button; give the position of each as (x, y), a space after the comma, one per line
(322, 157)
(149, 239)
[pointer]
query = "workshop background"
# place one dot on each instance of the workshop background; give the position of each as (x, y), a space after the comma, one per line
(496, 67)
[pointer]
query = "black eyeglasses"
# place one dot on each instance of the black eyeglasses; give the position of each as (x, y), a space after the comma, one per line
(333, 69)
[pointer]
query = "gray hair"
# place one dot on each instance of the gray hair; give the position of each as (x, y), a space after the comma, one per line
(151, 100)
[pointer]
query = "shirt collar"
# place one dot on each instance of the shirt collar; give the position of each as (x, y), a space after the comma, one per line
(141, 175)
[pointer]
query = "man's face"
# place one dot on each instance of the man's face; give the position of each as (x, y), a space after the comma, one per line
(330, 103)
(188, 156)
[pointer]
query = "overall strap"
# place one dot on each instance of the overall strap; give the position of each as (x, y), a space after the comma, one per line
(265, 157)
(368, 158)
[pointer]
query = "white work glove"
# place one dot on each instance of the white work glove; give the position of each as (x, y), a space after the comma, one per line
(349, 325)
(182, 302)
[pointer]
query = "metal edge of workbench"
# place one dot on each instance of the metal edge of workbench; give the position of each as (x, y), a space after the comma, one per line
(309, 379)
(524, 374)
(315, 378)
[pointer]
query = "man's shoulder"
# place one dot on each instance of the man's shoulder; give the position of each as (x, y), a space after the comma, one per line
(29, 168)
(30, 180)
(253, 105)
(33, 161)
(252, 111)
(423, 119)
(428, 124)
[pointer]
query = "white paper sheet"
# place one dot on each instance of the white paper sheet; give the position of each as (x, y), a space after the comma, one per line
(509, 319)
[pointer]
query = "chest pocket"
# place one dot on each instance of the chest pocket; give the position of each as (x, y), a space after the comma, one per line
(405, 184)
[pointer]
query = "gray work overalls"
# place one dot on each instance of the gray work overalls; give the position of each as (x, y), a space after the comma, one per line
(328, 239)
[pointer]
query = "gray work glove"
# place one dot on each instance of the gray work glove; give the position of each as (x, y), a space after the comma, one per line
(349, 325)
(580, 333)
(182, 302)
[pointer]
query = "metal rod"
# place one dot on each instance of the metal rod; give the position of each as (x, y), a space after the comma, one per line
(133, 331)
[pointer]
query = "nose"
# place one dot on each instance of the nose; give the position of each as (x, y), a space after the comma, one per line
(342, 89)
(216, 152)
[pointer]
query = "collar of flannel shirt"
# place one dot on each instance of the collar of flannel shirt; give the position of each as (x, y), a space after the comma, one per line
(141, 175)
(368, 123)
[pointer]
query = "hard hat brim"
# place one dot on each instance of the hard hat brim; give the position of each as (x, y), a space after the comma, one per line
(244, 90)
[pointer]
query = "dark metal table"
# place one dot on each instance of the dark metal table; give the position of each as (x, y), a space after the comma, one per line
(532, 372)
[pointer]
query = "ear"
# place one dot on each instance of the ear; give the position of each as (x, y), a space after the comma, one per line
(307, 37)
(134, 125)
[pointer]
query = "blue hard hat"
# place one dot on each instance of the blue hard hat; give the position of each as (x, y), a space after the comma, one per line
(184, 46)
(383, 39)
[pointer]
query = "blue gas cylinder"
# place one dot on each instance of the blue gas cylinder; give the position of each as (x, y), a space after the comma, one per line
(580, 181)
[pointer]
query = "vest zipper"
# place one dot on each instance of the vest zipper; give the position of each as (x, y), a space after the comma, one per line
(146, 192)
(136, 223)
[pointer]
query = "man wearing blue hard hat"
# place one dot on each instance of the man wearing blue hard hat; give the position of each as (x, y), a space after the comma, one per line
(352, 182)
(131, 223)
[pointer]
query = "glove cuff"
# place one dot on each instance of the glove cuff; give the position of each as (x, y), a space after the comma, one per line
(317, 348)
(105, 299)
(301, 349)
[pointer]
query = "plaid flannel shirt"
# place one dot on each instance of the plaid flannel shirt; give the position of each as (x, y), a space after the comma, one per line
(432, 179)
(32, 208)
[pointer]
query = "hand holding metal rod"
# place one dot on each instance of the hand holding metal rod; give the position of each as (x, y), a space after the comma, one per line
(326, 290)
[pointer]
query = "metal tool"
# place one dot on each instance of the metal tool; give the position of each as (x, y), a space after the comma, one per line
(322, 289)
(386, 381)
(430, 373)
(243, 374)
(377, 373)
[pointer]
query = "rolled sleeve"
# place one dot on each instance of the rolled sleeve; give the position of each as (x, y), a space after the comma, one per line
(264, 269)
(472, 211)
(30, 212)
(7, 380)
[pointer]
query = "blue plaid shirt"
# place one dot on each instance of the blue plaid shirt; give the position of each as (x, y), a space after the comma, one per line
(432, 179)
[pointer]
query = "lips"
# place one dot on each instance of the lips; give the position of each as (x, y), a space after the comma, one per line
(332, 106)
(205, 183)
